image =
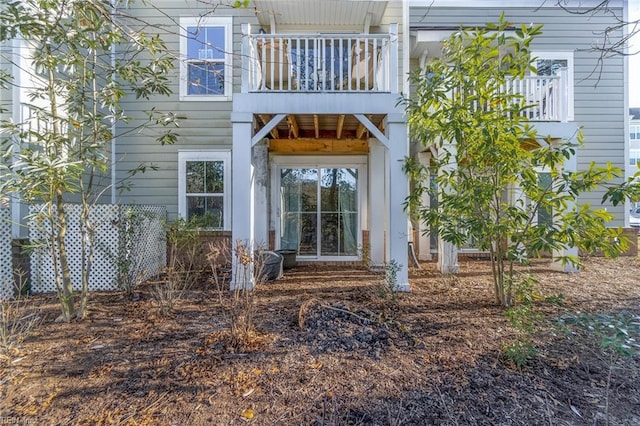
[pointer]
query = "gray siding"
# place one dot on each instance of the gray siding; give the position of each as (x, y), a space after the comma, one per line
(599, 86)
(206, 126)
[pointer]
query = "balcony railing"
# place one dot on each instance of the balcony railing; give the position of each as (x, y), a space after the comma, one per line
(320, 62)
(546, 97)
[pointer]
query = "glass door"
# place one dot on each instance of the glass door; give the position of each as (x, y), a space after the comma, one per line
(319, 211)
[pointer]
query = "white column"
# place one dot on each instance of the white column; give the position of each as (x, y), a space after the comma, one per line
(261, 200)
(570, 165)
(447, 257)
(242, 195)
(377, 191)
(424, 238)
(399, 190)
(447, 252)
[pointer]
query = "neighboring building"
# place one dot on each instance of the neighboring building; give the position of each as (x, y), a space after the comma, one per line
(634, 139)
(293, 136)
(634, 160)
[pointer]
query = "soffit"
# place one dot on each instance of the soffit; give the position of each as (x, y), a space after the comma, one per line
(330, 13)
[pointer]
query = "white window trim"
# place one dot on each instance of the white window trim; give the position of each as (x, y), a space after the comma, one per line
(208, 155)
(227, 23)
(562, 55)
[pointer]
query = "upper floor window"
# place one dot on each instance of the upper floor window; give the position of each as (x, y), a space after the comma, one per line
(634, 132)
(206, 52)
(204, 187)
(551, 64)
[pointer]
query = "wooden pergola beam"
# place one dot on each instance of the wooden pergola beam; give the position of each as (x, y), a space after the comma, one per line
(316, 125)
(293, 126)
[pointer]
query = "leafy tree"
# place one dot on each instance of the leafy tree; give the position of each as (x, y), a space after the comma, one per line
(84, 58)
(608, 43)
(490, 187)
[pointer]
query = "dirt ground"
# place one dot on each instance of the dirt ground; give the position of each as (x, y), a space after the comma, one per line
(332, 348)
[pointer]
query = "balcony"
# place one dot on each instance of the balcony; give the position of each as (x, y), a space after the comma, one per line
(313, 63)
(546, 97)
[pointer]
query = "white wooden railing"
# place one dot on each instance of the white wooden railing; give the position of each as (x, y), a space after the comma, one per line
(546, 97)
(320, 62)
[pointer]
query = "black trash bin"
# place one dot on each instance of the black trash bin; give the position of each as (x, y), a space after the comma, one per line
(289, 256)
(271, 265)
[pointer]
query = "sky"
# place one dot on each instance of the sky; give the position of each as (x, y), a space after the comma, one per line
(634, 61)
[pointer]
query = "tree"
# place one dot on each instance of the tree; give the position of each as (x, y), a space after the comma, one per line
(489, 160)
(616, 39)
(609, 43)
(84, 58)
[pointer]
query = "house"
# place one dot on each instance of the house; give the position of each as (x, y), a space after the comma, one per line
(293, 136)
(634, 139)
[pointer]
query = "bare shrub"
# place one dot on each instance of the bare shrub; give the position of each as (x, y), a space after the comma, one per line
(18, 318)
(237, 298)
(181, 272)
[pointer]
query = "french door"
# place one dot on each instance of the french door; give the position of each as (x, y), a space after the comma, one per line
(319, 210)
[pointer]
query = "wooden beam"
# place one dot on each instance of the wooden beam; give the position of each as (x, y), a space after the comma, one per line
(366, 122)
(339, 126)
(293, 126)
(257, 137)
(343, 146)
(265, 118)
(316, 125)
(362, 128)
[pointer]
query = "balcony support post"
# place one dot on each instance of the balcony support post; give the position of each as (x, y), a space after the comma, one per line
(424, 236)
(378, 196)
(398, 236)
(242, 225)
(448, 252)
(570, 165)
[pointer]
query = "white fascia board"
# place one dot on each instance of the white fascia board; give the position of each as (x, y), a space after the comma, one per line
(431, 36)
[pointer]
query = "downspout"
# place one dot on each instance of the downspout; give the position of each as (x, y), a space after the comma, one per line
(16, 198)
(113, 121)
(627, 173)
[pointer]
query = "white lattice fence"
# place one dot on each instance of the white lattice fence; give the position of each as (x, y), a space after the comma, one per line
(6, 266)
(120, 244)
(143, 248)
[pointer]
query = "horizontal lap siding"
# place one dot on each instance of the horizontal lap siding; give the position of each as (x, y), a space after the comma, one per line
(599, 88)
(207, 124)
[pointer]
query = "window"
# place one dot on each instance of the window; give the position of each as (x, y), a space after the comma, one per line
(206, 67)
(550, 63)
(320, 205)
(634, 132)
(203, 187)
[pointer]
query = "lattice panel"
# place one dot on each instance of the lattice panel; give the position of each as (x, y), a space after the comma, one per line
(142, 240)
(108, 220)
(6, 266)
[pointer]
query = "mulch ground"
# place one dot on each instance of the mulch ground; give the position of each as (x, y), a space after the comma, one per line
(332, 347)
